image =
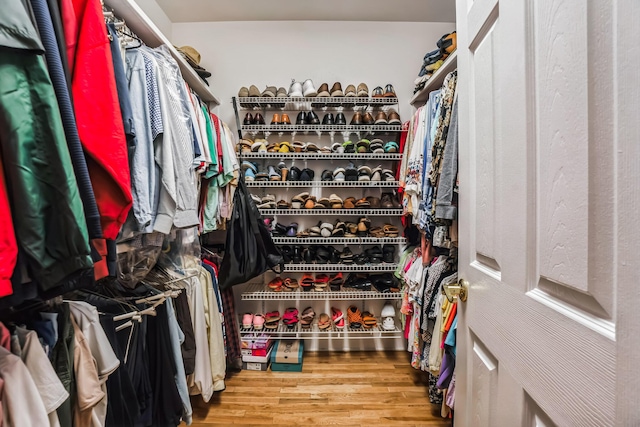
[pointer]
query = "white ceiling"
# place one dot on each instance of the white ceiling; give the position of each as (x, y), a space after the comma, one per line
(309, 10)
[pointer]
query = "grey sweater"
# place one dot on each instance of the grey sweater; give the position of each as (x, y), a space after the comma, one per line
(449, 172)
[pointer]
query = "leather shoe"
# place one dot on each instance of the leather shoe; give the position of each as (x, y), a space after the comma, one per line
(323, 91)
(340, 119)
(328, 119)
(312, 118)
(368, 119)
(381, 118)
(378, 92)
(276, 119)
(258, 119)
(394, 118)
(285, 120)
(248, 119)
(302, 118)
(350, 91)
(336, 90)
(357, 119)
(363, 90)
(389, 92)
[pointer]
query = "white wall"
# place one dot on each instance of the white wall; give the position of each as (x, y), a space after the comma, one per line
(157, 15)
(272, 53)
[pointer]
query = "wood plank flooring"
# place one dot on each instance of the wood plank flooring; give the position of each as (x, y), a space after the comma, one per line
(347, 389)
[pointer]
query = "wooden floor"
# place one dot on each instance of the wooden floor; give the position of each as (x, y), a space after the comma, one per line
(355, 389)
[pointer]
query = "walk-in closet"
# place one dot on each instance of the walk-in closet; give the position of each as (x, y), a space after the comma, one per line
(340, 212)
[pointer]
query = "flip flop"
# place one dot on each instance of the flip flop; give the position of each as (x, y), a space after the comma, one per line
(307, 317)
(290, 317)
(324, 321)
(337, 317)
(369, 320)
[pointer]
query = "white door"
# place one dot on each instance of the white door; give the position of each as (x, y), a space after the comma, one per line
(549, 202)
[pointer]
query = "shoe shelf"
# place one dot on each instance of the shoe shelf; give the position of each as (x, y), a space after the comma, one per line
(323, 156)
(333, 212)
(302, 103)
(261, 292)
(322, 128)
(313, 331)
(316, 184)
(328, 268)
(338, 240)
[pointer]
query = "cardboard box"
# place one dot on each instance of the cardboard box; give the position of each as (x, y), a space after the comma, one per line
(286, 356)
(259, 352)
(257, 359)
(255, 366)
(256, 342)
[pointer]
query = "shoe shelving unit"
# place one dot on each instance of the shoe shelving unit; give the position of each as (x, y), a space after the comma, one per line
(332, 212)
(367, 129)
(333, 268)
(316, 103)
(257, 296)
(258, 291)
(314, 184)
(339, 240)
(322, 156)
(331, 332)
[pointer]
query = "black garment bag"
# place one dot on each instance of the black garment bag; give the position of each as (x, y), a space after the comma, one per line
(249, 251)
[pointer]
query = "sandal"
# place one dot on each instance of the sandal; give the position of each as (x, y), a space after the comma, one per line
(258, 321)
(323, 256)
(291, 283)
(290, 317)
(292, 229)
(323, 203)
(307, 317)
(354, 317)
(322, 280)
(337, 317)
(377, 232)
(376, 146)
(298, 146)
(336, 282)
(307, 282)
(363, 146)
(391, 147)
(283, 204)
(324, 321)
(351, 172)
(337, 148)
(364, 224)
(390, 230)
(364, 173)
(363, 203)
(271, 320)
(299, 200)
(369, 320)
(349, 203)
(276, 283)
(326, 229)
(310, 203)
(336, 202)
(348, 147)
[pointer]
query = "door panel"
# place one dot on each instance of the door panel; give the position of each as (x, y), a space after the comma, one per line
(536, 214)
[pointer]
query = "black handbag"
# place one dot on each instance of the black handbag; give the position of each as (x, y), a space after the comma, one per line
(249, 250)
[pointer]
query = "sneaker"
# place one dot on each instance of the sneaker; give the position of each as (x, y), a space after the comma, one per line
(295, 89)
(388, 324)
(308, 89)
(388, 310)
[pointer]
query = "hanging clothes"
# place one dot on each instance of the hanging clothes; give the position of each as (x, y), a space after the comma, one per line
(99, 123)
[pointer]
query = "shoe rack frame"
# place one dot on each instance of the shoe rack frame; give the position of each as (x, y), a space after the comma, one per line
(257, 291)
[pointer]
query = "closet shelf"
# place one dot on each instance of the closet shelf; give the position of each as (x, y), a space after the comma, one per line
(435, 81)
(261, 292)
(338, 240)
(333, 212)
(149, 33)
(323, 156)
(302, 103)
(332, 332)
(326, 268)
(316, 184)
(321, 128)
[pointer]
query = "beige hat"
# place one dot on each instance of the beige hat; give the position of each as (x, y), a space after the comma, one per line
(191, 54)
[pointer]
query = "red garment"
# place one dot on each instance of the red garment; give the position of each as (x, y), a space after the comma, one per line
(8, 245)
(98, 111)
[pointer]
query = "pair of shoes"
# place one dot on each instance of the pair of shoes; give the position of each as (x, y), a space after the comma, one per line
(250, 119)
(329, 120)
(336, 90)
(307, 118)
(359, 320)
(253, 92)
(306, 89)
(271, 320)
(253, 320)
(280, 119)
(360, 119)
(388, 201)
(387, 92)
(290, 317)
(388, 313)
(385, 282)
(393, 118)
(295, 174)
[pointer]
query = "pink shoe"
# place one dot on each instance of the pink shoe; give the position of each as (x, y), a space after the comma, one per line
(247, 320)
(258, 321)
(337, 317)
